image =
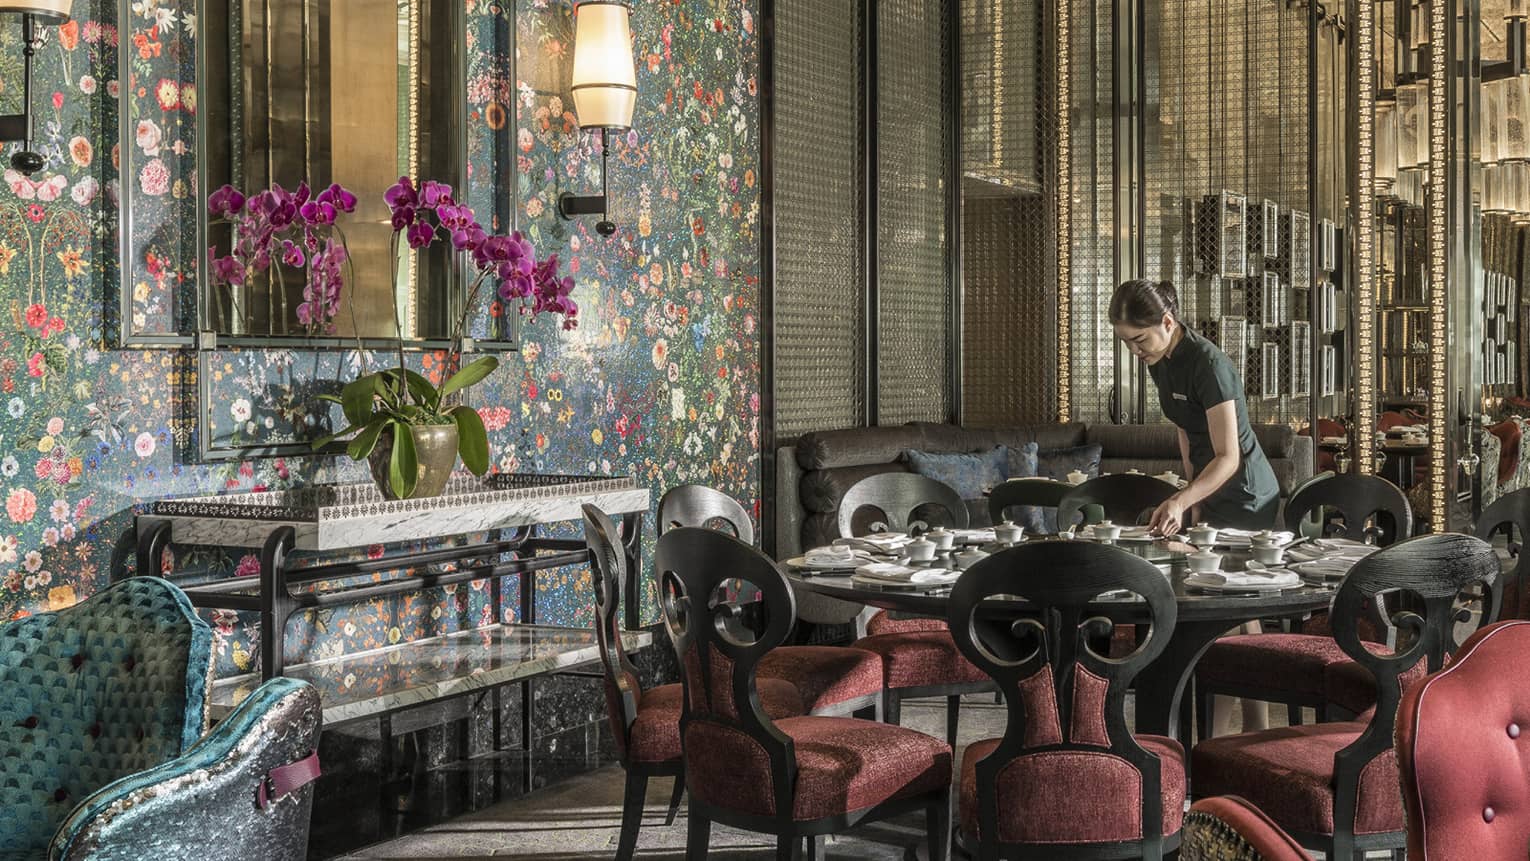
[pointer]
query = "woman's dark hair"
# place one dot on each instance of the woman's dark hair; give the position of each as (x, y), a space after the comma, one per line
(1143, 303)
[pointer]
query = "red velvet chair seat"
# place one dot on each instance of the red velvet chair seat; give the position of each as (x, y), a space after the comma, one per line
(843, 765)
(882, 622)
(825, 676)
(1285, 662)
(655, 734)
(1288, 773)
(1071, 796)
(919, 658)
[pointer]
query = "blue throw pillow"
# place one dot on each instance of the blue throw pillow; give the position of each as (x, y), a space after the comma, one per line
(1056, 463)
(1022, 461)
(968, 474)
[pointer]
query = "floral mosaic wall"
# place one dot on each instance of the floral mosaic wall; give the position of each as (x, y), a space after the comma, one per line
(660, 380)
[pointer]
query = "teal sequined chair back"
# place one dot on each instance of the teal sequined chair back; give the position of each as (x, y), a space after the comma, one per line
(114, 685)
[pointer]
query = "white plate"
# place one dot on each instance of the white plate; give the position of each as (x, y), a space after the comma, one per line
(1256, 565)
(802, 563)
(898, 585)
(1218, 586)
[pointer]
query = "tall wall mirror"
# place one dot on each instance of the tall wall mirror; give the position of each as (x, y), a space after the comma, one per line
(357, 92)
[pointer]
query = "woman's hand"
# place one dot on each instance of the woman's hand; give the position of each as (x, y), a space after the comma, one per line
(1169, 517)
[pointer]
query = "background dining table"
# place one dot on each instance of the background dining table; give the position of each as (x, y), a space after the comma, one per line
(1203, 617)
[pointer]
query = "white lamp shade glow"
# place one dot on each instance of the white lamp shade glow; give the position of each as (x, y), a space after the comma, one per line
(51, 11)
(605, 78)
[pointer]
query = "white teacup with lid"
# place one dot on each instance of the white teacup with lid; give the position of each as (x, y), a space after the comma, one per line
(969, 557)
(920, 550)
(1202, 533)
(1077, 477)
(1106, 531)
(1204, 562)
(1269, 554)
(1263, 538)
(944, 539)
(1008, 532)
(1169, 477)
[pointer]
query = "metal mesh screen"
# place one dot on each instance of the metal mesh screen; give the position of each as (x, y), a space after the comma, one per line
(1009, 330)
(819, 278)
(1093, 222)
(914, 324)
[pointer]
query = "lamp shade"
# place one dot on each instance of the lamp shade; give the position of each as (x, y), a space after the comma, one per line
(605, 79)
(50, 11)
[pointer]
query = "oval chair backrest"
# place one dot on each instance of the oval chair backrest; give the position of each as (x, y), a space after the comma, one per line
(1355, 498)
(1061, 694)
(896, 496)
(1420, 580)
(699, 505)
(608, 571)
(1127, 498)
(719, 642)
(1510, 515)
(1036, 492)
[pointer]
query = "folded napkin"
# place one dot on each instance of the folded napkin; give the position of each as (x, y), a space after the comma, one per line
(1245, 537)
(1332, 548)
(975, 536)
(1266, 579)
(1328, 569)
(883, 542)
(888, 572)
(831, 555)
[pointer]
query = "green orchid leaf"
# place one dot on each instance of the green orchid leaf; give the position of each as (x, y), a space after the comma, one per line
(356, 399)
(334, 399)
(323, 441)
(361, 447)
(424, 393)
(471, 373)
(472, 440)
(404, 467)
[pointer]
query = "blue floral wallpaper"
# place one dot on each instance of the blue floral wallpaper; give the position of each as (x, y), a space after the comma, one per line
(660, 380)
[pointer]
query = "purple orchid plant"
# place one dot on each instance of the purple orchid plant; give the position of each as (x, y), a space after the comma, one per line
(297, 228)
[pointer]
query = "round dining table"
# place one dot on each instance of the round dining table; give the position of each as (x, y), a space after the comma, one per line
(1203, 617)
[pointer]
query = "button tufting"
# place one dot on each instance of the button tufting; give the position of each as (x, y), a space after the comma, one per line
(1513, 730)
(95, 730)
(1488, 814)
(77, 660)
(130, 663)
(29, 723)
(60, 794)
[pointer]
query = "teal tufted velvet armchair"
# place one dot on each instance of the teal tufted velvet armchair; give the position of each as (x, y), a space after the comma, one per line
(102, 753)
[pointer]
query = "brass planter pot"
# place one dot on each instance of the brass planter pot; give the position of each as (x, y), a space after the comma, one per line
(435, 451)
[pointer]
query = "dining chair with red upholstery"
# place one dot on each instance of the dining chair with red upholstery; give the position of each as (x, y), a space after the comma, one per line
(645, 724)
(1228, 828)
(833, 680)
(1463, 737)
(798, 778)
(1067, 780)
(1335, 786)
(918, 657)
(1293, 668)
(1509, 516)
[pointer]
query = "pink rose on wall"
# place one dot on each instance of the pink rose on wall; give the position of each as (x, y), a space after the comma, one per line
(21, 505)
(155, 178)
(81, 151)
(144, 445)
(85, 191)
(88, 85)
(148, 137)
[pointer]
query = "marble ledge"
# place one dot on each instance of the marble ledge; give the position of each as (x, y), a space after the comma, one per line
(366, 684)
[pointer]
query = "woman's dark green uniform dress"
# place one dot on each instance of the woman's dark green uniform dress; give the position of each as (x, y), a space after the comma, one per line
(1192, 379)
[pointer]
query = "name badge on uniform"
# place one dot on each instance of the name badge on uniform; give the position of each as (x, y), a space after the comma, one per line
(1180, 397)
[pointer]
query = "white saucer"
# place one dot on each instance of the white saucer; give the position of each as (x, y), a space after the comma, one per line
(1195, 581)
(802, 562)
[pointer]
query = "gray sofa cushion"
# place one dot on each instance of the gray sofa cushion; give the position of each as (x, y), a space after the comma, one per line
(942, 437)
(856, 446)
(1276, 440)
(1126, 442)
(822, 489)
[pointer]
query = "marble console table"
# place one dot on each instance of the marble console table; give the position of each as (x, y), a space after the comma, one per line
(350, 517)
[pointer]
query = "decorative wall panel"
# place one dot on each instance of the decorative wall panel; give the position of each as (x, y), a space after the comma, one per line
(1093, 273)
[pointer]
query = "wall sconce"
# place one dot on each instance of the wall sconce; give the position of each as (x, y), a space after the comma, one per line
(605, 91)
(18, 127)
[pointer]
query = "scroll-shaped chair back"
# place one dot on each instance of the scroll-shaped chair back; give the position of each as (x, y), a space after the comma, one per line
(1064, 698)
(608, 570)
(1461, 743)
(1510, 516)
(1127, 498)
(735, 757)
(699, 505)
(1421, 581)
(898, 501)
(1354, 499)
(1017, 492)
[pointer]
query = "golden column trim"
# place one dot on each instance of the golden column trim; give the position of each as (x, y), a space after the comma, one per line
(1437, 214)
(1364, 203)
(1064, 218)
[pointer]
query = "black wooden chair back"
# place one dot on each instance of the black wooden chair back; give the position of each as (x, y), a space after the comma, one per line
(719, 642)
(608, 570)
(1036, 492)
(1510, 515)
(1344, 502)
(899, 501)
(1127, 498)
(1061, 693)
(699, 505)
(1422, 581)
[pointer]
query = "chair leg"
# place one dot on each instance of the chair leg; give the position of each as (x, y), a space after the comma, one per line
(953, 718)
(632, 814)
(938, 824)
(1293, 714)
(814, 845)
(674, 800)
(892, 707)
(698, 834)
(788, 847)
(1203, 712)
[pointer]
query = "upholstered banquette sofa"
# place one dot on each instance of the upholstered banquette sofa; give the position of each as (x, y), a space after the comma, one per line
(813, 475)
